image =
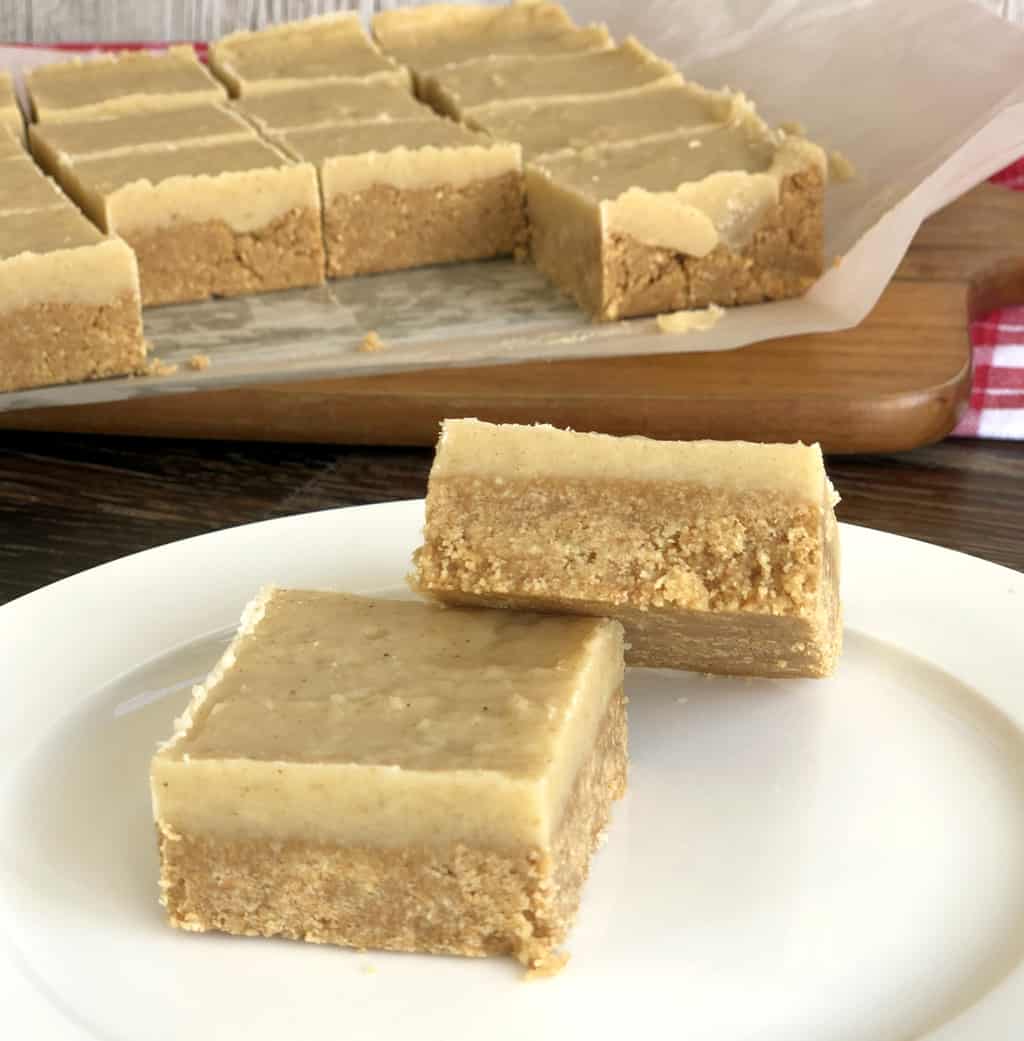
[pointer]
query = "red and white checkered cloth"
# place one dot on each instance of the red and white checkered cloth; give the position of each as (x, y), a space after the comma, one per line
(996, 407)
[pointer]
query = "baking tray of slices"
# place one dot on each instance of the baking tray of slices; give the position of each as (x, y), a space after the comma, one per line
(897, 164)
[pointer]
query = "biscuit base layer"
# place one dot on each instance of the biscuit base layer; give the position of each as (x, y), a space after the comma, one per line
(63, 342)
(445, 900)
(700, 579)
(198, 260)
(388, 229)
(617, 276)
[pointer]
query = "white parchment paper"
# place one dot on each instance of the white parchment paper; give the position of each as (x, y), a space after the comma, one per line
(925, 98)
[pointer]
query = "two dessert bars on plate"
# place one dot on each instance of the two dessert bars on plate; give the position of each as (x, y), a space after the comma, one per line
(420, 777)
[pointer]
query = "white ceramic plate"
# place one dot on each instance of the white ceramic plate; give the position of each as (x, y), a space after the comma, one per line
(839, 860)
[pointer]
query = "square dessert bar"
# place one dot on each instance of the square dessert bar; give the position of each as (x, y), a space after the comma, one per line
(325, 48)
(329, 104)
(109, 134)
(716, 556)
(428, 37)
(23, 186)
(127, 82)
(543, 125)
(394, 775)
(727, 215)
(10, 111)
(454, 89)
(404, 194)
(205, 220)
(69, 300)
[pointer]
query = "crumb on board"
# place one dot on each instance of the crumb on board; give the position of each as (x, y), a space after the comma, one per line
(695, 142)
(367, 968)
(840, 169)
(157, 367)
(551, 965)
(372, 343)
(699, 320)
(837, 260)
(199, 362)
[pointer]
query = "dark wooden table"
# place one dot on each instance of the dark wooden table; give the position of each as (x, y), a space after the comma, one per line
(69, 502)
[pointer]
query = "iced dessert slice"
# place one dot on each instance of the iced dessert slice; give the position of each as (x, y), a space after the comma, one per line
(543, 125)
(376, 773)
(716, 556)
(11, 146)
(11, 119)
(23, 186)
(69, 300)
(454, 89)
(403, 194)
(428, 37)
(71, 139)
(207, 219)
(130, 81)
(321, 49)
(332, 104)
(725, 215)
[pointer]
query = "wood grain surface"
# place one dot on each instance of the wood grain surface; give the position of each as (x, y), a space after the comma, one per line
(898, 380)
(68, 502)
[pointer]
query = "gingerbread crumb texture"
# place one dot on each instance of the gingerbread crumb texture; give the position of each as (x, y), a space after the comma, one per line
(158, 367)
(372, 343)
(197, 260)
(621, 277)
(199, 362)
(384, 228)
(622, 542)
(701, 579)
(68, 342)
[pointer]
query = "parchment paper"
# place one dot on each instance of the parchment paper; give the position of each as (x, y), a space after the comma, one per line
(925, 98)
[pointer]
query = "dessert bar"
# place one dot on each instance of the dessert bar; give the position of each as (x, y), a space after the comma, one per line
(716, 556)
(542, 125)
(454, 89)
(727, 215)
(378, 773)
(23, 186)
(126, 82)
(121, 132)
(325, 48)
(399, 195)
(434, 35)
(206, 219)
(71, 294)
(331, 104)
(10, 112)
(11, 146)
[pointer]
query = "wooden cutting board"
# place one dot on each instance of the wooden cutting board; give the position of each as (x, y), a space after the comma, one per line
(898, 380)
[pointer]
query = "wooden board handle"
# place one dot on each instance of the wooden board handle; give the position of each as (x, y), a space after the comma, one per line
(900, 379)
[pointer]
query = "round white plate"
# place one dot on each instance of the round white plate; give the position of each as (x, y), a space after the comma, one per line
(838, 860)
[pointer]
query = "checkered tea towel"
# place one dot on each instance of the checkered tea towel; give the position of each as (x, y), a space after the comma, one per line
(996, 407)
